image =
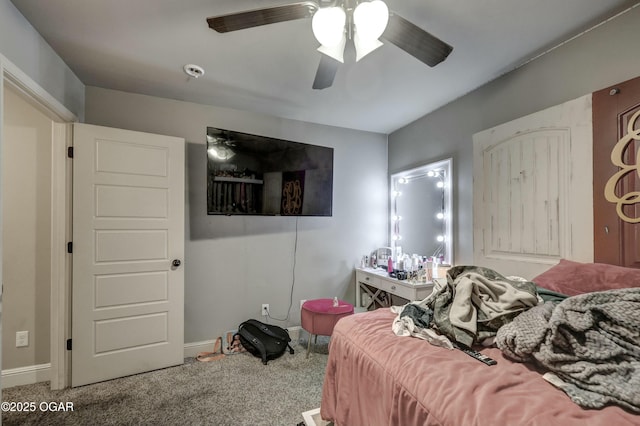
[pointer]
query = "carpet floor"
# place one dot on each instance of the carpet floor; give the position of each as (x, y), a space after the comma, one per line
(235, 390)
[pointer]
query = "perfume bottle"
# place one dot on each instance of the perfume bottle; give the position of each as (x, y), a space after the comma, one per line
(434, 273)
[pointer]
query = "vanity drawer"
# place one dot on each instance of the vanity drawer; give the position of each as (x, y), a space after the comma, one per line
(403, 289)
(397, 289)
(365, 278)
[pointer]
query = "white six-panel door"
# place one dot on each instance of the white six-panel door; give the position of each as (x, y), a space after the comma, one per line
(128, 229)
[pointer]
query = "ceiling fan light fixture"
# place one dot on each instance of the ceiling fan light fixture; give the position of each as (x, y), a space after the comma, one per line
(370, 20)
(336, 52)
(218, 148)
(363, 22)
(364, 47)
(328, 26)
(220, 152)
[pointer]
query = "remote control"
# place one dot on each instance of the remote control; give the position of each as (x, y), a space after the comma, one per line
(473, 353)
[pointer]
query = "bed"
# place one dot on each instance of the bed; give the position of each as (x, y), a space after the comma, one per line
(375, 377)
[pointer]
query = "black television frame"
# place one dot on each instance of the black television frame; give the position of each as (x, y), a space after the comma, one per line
(252, 175)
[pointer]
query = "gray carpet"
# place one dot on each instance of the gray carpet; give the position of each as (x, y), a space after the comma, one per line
(236, 390)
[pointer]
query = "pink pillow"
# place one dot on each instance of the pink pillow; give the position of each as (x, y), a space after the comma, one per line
(572, 278)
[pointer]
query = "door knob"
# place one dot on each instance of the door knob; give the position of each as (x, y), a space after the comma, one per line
(176, 262)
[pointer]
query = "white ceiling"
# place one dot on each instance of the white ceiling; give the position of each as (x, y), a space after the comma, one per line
(140, 46)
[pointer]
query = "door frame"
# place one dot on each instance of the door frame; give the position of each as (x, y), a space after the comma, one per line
(60, 307)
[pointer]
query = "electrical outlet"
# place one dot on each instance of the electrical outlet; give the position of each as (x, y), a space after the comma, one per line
(265, 309)
(302, 302)
(22, 339)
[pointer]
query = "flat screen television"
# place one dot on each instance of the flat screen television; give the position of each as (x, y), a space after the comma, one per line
(256, 175)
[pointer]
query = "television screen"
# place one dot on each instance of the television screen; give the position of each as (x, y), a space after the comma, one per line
(257, 175)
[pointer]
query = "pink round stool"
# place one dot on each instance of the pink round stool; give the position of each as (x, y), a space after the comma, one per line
(319, 316)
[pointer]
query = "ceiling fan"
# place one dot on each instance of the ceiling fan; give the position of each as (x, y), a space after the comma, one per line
(334, 22)
(219, 147)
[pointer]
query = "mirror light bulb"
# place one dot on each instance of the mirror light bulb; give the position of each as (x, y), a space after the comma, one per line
(440, 184)
(440, 238)
(396, 218)
(440, 215)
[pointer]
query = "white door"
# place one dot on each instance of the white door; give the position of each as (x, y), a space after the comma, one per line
(128, 244)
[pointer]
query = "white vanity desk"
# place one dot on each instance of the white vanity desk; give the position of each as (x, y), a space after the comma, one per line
(368, 278)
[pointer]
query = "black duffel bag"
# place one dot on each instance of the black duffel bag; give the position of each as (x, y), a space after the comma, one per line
(264, 341)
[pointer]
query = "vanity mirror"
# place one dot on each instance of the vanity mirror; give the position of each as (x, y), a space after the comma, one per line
(421, 211)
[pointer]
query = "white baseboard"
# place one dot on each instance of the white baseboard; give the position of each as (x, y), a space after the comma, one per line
(25, 375)
(192, 349)
(42, 372)
(294, 333)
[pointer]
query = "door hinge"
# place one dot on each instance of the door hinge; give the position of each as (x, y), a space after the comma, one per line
(70, 152)
(68, 344)
(70, 247)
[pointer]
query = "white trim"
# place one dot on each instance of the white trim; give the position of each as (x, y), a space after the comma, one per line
(43, 372)
(192, 349)
(60, 260)
(58, 113)
(294, 333)
(49, 105)
(1, 195)
(25, 375)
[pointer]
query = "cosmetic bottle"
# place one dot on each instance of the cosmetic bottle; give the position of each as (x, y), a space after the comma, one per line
(434, 272)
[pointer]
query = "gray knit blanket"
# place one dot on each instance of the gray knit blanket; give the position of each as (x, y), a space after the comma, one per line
(591, 342)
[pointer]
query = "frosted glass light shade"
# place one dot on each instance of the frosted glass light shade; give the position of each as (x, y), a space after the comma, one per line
(220, 152)
(328, 25)
(364, 47)
(370, 20)
(336, 52)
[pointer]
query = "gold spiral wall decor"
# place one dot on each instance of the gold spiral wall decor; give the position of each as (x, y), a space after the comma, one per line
(292, 198)
(292, 193)
(632, 197)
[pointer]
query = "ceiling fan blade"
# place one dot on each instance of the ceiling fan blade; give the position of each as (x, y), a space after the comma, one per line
(326, 72)
(258, 17)
(416, 41)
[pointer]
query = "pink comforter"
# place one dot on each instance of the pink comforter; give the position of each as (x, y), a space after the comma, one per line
(374, 377)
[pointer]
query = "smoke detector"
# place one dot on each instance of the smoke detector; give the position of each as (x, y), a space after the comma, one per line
(194, 71)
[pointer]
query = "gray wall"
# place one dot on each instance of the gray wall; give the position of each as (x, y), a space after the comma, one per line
(22, 44)
(233, 264)
(602, 57)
